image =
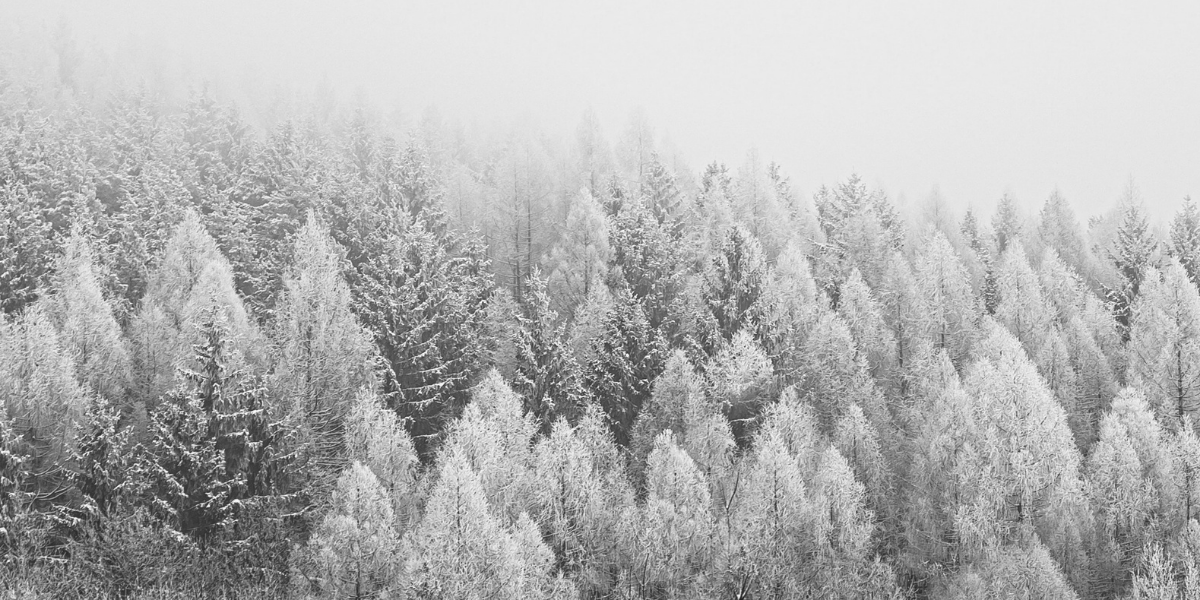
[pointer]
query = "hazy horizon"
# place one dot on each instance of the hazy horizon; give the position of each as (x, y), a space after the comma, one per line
(973, 102)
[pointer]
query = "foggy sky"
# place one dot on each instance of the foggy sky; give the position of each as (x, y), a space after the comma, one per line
(973, 98)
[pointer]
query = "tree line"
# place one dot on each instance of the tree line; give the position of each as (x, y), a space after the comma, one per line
(323, 361)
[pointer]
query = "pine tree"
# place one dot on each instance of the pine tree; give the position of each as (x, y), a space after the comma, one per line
(660, 191)
(1131, 253)
(547, 375)
(425, 305)
(734, 284)
(629, 356)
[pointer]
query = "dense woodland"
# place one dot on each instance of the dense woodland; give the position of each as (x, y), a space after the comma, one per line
(320, 357)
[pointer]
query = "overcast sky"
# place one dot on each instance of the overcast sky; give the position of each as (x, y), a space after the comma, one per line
(974, 98)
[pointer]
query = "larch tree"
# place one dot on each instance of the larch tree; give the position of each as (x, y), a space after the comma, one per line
(671, 537)
(951, 322)
(772, 529)
(355, 551)
(904, 312)
(87, 329)
(858, 442)
(1164, 344)
(1059, 230)
(579, 492)
(674, 390)
(1124, 493)
(191, 278)
(861, 230)
(579, 261)
(1029, 476)
(1022, 307)
(324, 355)
(791, 304)
(739, 380)
(460, 550)
(1184, 243)
(44, 405)
(1131, 253)
(863, 314)
(495, 435)
(376, 438)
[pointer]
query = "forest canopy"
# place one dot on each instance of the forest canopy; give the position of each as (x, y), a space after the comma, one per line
(326, 359)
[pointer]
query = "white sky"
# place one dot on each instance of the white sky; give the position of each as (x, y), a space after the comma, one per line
(975, 98)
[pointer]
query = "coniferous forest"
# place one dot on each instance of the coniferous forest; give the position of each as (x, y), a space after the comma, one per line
(309, 354)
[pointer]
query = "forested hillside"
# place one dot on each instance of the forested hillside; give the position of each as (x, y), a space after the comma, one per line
(329, 358)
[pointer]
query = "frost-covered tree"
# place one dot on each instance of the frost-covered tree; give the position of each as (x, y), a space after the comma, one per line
(1058, 230)
(1022, 307)
(863, 314)
(325, 357)
(87, 329)
(191, 278)
(43, 404)
(376, 438)
(734, 284)
(424, 300)
(1164, 344)
(461, 551)
(953, 312)
(861, 230)
(354, 552)
(677, 388)
(629, 355)
(1125, 492)
(791, 304)
(1184, 244)
(579, 492)
(547, 376)
(671, 537)
(739, 379)
(579, 261)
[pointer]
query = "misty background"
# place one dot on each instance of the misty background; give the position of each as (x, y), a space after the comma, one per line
(968, 102)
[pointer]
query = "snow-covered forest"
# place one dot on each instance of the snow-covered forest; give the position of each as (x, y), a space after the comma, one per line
(297, 350)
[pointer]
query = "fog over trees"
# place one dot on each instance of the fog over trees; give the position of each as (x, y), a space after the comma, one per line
(328, 358)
